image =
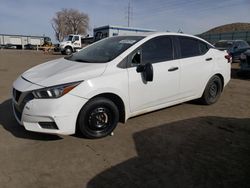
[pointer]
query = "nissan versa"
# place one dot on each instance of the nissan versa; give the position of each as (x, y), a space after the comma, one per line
(117, 78)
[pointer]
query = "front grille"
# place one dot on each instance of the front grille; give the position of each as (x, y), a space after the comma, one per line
(16, 94)
(21, 99)
(28, 97)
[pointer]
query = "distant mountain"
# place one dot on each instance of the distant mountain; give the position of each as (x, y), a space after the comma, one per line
(229, 28)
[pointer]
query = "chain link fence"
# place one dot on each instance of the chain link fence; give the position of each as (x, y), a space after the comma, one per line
(237, 35)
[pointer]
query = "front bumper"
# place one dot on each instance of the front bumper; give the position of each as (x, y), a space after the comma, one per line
(33, 113)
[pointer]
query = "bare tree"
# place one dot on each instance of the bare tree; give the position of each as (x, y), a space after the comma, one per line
(69, 21)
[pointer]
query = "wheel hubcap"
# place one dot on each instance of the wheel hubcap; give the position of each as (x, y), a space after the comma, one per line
(68, 51)
(99, 118)
(213, 90)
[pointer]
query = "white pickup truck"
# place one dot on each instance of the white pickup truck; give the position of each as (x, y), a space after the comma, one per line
(72, 43)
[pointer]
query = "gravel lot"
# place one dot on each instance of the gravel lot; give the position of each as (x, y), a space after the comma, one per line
(188, 145)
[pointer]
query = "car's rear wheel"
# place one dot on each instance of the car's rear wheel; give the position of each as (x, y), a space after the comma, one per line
(98, 118)
(212, 91)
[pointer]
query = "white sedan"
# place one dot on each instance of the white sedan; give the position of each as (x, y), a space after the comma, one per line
(118, 78)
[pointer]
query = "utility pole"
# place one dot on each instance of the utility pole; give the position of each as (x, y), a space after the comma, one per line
(129, 12)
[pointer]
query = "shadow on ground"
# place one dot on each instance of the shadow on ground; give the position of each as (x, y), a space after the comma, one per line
(7, 120)
(199, 152)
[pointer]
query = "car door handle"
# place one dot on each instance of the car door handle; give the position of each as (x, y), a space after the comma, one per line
(209, 59)
(173, 69)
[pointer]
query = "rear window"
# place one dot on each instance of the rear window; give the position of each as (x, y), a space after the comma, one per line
(223, 44)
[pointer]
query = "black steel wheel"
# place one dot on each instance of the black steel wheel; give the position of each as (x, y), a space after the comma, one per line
(98, 118)
(212, 91)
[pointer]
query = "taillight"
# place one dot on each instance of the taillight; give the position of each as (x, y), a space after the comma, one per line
(229, 58)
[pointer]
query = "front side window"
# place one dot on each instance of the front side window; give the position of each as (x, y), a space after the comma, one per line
(68, 38)
(157, 50)
(105, 50)
(76, 38)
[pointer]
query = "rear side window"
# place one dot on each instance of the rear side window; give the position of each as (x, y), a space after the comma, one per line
(158, 49)
(189, 47)
(192, 47)
(203, 47)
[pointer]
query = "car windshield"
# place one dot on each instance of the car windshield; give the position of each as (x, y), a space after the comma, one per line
(243, 44)
(223, 44)
(68, 38)
(105, 50)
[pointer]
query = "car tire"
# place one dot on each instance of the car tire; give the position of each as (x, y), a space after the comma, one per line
(68, 51)
(212, 91)
(98, 118)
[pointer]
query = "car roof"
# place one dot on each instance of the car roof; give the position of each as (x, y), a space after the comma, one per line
(155, 34)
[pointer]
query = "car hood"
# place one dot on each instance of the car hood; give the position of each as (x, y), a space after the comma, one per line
(62, 71)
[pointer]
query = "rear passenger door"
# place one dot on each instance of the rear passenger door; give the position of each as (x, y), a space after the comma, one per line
(196, 65)
(164, 88)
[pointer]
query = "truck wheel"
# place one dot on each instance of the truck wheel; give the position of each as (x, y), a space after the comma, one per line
(68, 50)
(98, 118)
(212, 91)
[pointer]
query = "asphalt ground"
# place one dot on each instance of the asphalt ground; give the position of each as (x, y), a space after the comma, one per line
(187, 145)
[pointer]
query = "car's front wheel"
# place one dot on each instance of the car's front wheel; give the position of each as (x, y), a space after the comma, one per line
(212, 91)
(98, 118)
(68, 50)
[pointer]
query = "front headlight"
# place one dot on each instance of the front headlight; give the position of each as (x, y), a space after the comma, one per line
(54, 91)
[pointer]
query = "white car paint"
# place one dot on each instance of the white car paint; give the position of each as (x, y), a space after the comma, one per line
(138, 96)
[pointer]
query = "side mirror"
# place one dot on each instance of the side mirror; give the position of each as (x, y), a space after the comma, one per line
(140, 68)
(147, 71)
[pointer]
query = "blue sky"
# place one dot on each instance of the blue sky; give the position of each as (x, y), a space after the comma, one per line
(33, 17)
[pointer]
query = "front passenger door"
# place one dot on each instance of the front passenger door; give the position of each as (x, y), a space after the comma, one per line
(164, 87)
